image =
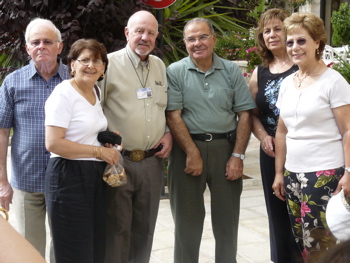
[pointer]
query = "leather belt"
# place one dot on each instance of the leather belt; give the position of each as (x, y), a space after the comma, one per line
(207, 137)
(138, 155)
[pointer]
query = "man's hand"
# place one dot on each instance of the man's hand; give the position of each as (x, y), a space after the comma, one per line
(194, 163)
(6, 194)
(234, 168)
(167, 142)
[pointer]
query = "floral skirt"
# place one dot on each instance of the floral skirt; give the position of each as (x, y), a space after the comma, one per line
(307, 195)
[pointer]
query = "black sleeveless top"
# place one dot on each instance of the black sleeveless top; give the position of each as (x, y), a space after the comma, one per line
(266, 98)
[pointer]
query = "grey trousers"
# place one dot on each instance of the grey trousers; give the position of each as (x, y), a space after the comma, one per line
(187, 202)
(132, 212)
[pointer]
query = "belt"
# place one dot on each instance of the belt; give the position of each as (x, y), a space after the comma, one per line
(207, 137)
(138, 155)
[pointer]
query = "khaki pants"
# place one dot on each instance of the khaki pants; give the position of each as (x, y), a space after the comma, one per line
(30, 213)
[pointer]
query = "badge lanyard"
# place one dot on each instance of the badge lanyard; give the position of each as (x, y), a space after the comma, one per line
(142, 84)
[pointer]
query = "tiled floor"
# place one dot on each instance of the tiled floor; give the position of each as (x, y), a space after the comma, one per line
(253, 236)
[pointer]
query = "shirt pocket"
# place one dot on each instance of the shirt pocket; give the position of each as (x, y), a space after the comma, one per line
(160, 93)
(225, 97)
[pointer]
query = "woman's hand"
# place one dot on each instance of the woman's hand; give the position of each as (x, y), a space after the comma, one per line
(268, 145)
(344, 184)
(278, 186)
(108, 154)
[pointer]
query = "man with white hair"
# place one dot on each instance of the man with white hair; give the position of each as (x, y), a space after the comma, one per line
(22, 98)
(134, 96)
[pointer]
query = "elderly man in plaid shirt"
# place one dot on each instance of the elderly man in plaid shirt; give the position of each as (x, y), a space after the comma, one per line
(22, 99)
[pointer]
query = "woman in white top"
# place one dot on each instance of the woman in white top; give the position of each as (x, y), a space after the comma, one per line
(312, 138)
(74, 189)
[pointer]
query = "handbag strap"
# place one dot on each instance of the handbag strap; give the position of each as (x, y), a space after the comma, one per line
(97, 92)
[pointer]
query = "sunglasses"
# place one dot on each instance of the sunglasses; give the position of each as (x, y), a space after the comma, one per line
(300, 42)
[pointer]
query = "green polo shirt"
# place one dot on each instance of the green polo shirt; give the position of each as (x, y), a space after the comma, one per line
(208, 100)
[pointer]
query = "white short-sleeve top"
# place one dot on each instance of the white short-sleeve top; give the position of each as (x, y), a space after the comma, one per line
(313, 140)
(66, 108)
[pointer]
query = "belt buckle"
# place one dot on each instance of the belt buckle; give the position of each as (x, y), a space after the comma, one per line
(137, 155)
(210, 137)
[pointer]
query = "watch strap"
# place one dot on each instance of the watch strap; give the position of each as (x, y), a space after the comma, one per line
(240, 156)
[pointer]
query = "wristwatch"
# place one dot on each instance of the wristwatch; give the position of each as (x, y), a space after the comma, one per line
(240, 156)
(347, 169)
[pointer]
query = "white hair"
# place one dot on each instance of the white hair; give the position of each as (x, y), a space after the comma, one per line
(42, 22)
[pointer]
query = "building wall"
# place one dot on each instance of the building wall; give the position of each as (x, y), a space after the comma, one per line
(315, 8)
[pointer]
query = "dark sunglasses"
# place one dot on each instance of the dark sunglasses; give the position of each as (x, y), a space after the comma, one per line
(300, 42)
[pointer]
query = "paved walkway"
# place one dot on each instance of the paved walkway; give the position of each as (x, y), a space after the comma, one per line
(253, 236)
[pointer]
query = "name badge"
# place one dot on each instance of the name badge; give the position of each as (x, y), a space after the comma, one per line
(144, 93)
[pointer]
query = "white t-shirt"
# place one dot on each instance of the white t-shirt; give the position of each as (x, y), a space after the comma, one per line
(313, 139)
(66, 108)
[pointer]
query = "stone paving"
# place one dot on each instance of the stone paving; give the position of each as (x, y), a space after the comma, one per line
(253, 235)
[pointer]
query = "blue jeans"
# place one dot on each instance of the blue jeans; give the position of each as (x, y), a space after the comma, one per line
(76, 205)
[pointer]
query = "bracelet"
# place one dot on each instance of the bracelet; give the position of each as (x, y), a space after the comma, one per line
(95, 151)
(5, 212)
(347, 169)
(100, 156)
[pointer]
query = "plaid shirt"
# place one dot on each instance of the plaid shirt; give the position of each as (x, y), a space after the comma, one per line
(22, 99)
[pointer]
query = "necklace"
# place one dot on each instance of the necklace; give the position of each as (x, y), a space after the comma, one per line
(301, 79)
(283, 64)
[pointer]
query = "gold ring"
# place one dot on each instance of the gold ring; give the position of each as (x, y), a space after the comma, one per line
(5, 212)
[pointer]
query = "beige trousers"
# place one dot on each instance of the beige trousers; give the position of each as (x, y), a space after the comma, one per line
(30, 213)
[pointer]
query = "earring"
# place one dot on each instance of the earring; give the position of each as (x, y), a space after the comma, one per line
(103, 75)
(317, 51)
(72, 73)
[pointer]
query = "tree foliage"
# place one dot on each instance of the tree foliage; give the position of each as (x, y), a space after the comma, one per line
(341, 25)
(182, 11)
(105, 21)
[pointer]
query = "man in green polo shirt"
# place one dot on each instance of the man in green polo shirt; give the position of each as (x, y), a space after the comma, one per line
(209, 116)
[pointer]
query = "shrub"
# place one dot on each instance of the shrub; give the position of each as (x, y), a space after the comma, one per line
(341, 25)
(343, 67)
(238, 46)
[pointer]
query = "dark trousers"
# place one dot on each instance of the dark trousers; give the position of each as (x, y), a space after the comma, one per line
(282, 244)
(187, 202)
(132, 212)
(76, 205)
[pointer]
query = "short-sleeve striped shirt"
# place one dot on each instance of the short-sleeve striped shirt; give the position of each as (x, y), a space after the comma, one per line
(22, 98)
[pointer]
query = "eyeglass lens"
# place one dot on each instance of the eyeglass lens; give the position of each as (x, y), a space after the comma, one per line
(86, 61)
(201, 38)
(300, 42)
(46, 42)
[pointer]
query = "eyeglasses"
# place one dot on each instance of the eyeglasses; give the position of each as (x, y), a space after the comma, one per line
(46, 42)
(300, 42)
(86, 62)
(202, 38)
